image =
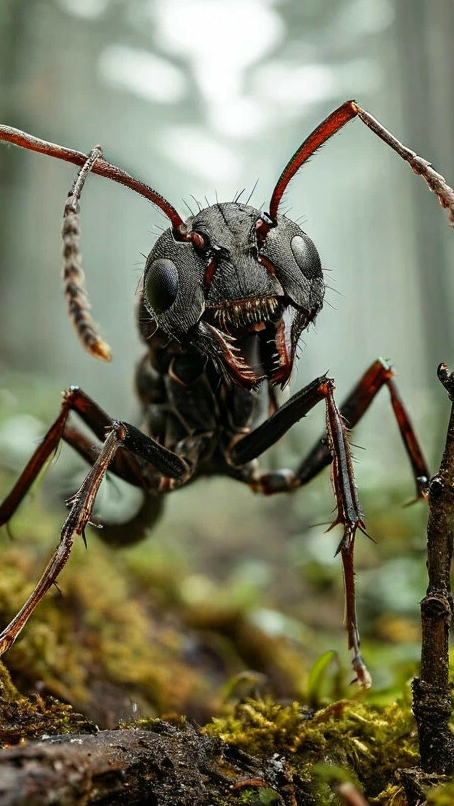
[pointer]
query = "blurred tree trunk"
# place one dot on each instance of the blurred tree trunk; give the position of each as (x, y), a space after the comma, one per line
(12, 32)
(425, 59)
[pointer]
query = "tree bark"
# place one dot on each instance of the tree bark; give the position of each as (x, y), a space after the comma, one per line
(167, 765)
(431, 691)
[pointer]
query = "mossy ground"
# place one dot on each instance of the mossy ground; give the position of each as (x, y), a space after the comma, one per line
(122, 644)
(347, 740)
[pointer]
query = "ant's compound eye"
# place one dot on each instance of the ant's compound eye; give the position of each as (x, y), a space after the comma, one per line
(306, 255)
(161, 284)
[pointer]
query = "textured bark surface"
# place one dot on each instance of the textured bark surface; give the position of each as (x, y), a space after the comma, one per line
(432, 702)
(166, 766)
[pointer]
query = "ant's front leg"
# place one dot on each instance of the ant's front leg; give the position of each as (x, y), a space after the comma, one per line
(349, 513)
(74, 400)
(122, 436)
(332, 447)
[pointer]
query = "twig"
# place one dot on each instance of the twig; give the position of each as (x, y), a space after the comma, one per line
(431, 691)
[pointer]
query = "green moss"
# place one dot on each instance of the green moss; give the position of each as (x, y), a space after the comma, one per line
(8, 691)
(259, 796)
(368, 743)
(441, 795)
(25, 718)
(97, 631)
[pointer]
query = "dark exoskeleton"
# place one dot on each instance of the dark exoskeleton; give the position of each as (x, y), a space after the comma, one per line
(223, 301)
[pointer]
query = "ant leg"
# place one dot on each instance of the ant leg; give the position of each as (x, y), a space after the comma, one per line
(61, 554)
(333, 448)
(353, 408)
(121, 435)
(126, 466)
(74, 399)
(349, 513)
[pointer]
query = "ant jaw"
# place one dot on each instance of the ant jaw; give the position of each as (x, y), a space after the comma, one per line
(253, 340)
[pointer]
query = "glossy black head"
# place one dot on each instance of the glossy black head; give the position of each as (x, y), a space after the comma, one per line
(240, 288)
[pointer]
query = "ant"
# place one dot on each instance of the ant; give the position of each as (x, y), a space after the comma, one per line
(223, 300)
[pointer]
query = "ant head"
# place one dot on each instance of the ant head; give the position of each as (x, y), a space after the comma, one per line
(237, 286)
